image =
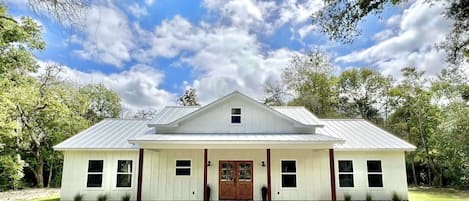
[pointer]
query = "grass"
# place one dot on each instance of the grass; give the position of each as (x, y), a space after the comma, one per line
(437, 194)
(49, 198)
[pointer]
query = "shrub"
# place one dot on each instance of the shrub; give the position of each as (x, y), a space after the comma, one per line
(368, 197)
(347, 197)
(126, 197)
(395, 197)
(102, 197)
(78, 197)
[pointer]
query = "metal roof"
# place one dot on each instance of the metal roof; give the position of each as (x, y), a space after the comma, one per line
(360, 134)
(204, 138)
(107, 134)
(171, 113)
(299, 114)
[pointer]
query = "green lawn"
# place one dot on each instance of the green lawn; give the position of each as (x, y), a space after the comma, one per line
(50, 198)
(437, 194)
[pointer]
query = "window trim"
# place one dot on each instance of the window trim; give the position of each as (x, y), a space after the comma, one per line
(236, 115)
(374, 173)
(182, 167)
(345, 173)
(131, 174)
(95, 173)
(289, 173)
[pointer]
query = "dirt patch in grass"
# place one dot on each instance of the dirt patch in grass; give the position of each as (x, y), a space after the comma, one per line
(30, 194)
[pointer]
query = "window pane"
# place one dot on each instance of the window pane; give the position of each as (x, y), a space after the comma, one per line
(288, 180)
(375, 180)
(124, 180)
(374, 166)
(236, 111)
(183, 171)
(288, 166)
(345, 166)
(183, 163)
(124, 166)
(235, 119)
(94, 180)
(346, 180)
(95, 166)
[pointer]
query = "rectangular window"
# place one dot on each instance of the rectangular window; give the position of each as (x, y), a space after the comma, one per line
(235, 115)
(124, 173)
(288, 174)
(345, 173)
(183, 167)
(95, 173)
(375, 173)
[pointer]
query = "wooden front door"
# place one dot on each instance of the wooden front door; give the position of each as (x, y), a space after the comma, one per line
(235, 180)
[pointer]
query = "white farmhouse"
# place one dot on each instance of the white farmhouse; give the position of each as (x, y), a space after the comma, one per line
(237, 147)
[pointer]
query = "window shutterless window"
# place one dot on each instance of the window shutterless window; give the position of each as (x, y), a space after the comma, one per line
(95, 173)
(345, 173)
(288, 173)
(375, 173)
(124, 173)
(235, 115)
(183, 167)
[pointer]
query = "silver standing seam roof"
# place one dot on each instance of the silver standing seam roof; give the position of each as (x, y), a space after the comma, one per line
(354, 134)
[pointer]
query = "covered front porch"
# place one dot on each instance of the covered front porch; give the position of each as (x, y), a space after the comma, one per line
(301, 168)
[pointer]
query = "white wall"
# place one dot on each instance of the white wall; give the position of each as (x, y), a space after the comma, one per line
(159, 175)
(75, 171)
(394, 175)
(254, 119)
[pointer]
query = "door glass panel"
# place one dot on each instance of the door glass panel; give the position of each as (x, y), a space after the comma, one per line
(227, 172)
(244, 172)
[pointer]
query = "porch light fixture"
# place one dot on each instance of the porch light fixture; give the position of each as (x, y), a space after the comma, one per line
(209, 163)
(262, 163)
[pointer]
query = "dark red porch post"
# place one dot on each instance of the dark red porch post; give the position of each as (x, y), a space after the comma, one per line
(140, 175)
(269, 188)
(205, 175)
(332, 172)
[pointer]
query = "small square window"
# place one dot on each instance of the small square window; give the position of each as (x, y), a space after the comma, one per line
(95, 173)
(235, 115)
(375, 175)
(124, 173)
(183, 167)
(346, 173)
(288, 173)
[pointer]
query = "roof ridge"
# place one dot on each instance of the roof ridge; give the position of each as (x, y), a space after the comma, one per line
(343, 119)
(181, 106)
(126, 119)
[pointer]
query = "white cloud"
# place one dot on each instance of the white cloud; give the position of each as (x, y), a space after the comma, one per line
(107, 36)
(421, 26)
(137, 10)
(149, 2)
(137, 87)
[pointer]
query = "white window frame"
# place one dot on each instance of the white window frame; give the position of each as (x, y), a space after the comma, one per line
(125, 173)
(345, 173)
(376, 173)
(95, 173)
(236, 115)
(182, 167)
(289, 173)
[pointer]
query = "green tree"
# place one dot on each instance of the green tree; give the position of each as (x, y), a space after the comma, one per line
(361, 91)
(340, 19)
(102, 102)
(311, 78)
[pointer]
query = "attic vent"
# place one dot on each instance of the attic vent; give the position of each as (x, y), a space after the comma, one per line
(235, 115)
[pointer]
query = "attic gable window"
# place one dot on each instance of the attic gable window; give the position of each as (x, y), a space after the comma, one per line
(235, 115)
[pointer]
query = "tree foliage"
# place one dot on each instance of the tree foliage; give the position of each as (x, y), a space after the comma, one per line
(340, 19)
(189, 98)
(37, 110)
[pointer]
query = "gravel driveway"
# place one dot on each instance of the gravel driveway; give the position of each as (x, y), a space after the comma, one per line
(27, 194)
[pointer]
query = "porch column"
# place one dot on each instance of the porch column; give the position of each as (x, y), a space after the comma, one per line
(140, 175)
(332, 172)
(205, 175)
(269, 178)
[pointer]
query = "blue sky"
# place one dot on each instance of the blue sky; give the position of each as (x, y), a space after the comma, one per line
(150, 51)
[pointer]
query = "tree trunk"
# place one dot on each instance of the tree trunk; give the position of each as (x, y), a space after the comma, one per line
(39, 169)
(414, 174)
(51, 170)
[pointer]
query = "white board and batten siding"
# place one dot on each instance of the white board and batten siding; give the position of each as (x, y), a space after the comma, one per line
(75, 173)
(254, 119)
(393, 171)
